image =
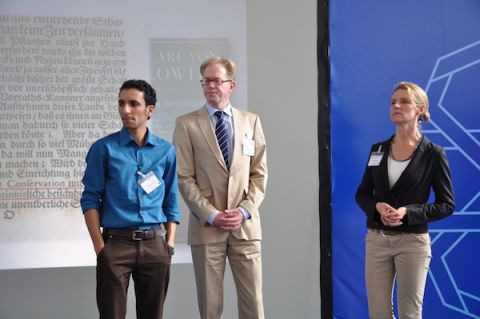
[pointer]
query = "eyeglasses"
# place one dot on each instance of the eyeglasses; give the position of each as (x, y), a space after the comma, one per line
(216, 81)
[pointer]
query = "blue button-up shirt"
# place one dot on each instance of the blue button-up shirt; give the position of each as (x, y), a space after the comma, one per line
(114, 164)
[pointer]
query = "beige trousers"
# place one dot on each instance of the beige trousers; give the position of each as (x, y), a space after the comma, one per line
(244, 257)
(403, 258)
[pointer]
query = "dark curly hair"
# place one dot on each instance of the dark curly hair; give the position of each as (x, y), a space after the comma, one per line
(149, 94)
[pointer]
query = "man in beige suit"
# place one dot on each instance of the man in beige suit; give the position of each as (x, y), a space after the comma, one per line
(222, 170)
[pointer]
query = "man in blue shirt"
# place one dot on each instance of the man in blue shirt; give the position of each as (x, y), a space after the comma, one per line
(131, 191)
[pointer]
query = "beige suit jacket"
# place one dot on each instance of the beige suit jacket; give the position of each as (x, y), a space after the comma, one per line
(205, 182)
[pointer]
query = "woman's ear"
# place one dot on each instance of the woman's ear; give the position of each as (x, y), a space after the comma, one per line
(420, 111)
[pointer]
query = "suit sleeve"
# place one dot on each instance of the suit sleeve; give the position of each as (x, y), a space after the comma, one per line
(199, 206)
(258, 172)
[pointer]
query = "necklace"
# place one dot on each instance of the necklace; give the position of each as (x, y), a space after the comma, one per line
(392, 155)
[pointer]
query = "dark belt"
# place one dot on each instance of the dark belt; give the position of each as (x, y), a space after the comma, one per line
(386, 232)
(134, 234)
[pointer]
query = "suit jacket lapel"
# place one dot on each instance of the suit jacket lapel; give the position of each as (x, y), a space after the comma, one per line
(239, 134)
(205, 125)
(402, 187)
(384, 165)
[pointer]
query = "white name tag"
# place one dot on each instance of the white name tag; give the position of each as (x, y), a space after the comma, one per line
(148, 182)
(376, 157)
(248, 147)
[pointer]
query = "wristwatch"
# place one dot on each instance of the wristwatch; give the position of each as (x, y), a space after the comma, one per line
(171, 250)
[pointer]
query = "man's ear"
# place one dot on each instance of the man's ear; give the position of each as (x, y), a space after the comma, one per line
(150, 110)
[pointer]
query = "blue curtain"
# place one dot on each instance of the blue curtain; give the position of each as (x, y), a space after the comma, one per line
(373, 46)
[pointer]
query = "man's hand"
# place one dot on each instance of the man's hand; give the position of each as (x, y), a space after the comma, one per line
(229, 219)
(92, 219)
(98, 246)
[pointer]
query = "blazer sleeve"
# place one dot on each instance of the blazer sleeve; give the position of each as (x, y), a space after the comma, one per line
(199, 206)
(258, 172)
(364, 195)
(444, 204)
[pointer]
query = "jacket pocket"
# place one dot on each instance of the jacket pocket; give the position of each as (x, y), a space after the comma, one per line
(206, 192)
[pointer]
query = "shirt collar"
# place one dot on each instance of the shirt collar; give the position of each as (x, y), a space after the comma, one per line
(125, 138)
(211, 110)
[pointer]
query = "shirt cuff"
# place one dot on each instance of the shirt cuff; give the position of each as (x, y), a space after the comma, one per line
(245, 213)
(212, 217)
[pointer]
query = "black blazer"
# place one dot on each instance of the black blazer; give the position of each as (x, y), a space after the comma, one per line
(428, 169)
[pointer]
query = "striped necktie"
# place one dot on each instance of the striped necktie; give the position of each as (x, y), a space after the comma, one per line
(222, 134)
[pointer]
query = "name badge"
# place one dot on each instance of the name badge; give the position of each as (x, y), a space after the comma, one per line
(248, 147)
(148, 182)
(375, 157)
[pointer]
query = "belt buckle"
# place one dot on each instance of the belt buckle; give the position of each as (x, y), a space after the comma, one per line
(134, 234)
(389, 232)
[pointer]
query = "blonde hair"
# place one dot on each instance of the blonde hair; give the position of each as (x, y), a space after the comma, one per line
(226, 62)
(419, 96)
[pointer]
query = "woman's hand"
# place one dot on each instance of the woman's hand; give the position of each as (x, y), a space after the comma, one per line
(389, 215)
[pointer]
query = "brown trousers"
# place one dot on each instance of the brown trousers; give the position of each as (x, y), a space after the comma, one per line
(147, 261)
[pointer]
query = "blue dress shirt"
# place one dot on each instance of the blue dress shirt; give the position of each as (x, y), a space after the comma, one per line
(114, 164)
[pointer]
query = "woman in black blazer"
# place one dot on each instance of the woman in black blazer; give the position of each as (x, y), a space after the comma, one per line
(394, 194)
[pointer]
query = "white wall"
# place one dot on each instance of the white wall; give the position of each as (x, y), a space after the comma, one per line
(282, 88)
(282, 79)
